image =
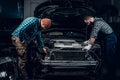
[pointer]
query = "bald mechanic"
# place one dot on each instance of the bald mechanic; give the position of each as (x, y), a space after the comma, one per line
(109, 39)
(24, 35)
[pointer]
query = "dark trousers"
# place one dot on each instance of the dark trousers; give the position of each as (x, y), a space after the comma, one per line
(110, 55)
(28, 58)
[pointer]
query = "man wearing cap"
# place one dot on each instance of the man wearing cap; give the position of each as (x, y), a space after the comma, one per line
(25, 34)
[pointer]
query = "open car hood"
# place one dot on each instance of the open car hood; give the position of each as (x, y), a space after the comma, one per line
(63, 13)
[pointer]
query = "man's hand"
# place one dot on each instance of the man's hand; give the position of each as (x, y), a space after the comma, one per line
(86, 42)
(44, 50)
(88, 47)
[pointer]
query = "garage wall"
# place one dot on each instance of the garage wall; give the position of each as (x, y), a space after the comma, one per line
(11, 9)
(30, 5)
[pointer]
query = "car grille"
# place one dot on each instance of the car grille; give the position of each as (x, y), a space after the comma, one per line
(71, 55)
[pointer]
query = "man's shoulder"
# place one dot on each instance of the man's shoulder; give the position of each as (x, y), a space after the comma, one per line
(99, 20)
(31, 18)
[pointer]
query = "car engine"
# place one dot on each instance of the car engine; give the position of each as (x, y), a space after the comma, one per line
(66, 57)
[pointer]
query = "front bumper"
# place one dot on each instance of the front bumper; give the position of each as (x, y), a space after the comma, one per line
(51, 67)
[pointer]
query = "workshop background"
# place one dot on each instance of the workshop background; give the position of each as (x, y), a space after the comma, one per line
(12, 12)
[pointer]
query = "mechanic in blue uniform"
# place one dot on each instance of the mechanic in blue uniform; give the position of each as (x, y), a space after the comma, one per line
(25, 34)
(110, 40)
